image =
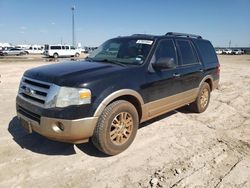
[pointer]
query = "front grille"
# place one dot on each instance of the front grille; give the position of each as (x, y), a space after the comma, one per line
(34, 90)
(29, 114)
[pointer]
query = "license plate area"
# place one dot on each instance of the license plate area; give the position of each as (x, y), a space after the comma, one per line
(26, 125)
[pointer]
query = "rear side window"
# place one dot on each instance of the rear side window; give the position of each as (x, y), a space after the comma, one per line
(67, 47)
(186, 52)
(55, 47)
(207, 51)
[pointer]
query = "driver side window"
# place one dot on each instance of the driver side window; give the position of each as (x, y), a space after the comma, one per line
(165, 49)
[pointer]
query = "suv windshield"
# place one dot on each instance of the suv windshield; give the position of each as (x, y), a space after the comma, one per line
(123, 50)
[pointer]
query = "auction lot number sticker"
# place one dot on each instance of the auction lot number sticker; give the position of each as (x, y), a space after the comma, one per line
(149, 42)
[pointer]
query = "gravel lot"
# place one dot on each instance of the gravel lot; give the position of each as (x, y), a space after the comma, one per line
(179, 149)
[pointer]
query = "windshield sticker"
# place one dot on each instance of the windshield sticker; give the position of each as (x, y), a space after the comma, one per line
(149, 42)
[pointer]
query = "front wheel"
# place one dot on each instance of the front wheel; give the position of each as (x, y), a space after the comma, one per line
(116, 127)
(202, 100)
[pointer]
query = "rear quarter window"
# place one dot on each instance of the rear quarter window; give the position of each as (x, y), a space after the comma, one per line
(206, 51)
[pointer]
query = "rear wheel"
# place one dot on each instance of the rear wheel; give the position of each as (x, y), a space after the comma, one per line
(116, 127)
(202, 101)
(77, 55)
(55, 55)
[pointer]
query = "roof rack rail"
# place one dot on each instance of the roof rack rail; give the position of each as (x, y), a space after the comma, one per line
(135, 35)
(183, 35)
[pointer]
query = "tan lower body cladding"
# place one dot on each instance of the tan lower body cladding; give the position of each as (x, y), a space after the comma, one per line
(161, 106)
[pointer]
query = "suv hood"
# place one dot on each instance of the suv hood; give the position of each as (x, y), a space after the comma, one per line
(72, 74)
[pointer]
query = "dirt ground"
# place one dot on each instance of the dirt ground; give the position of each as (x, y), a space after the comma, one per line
(179, 149)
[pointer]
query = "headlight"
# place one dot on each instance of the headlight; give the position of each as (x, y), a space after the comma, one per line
(73, 96)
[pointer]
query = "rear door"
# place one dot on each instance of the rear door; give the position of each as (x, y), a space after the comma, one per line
(67, 51)
(191, 69)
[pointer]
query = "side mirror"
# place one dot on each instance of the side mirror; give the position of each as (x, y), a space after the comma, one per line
(164, 63)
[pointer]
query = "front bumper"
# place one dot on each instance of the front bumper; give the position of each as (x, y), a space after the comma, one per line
(72, 131)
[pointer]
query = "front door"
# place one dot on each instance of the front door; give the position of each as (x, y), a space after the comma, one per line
(163, 85)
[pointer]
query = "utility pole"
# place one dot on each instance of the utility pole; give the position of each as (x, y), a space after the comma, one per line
(73, 25)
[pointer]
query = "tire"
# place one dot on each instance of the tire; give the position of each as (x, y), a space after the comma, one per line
(77, 55)
(111, 135)
(202, 101)
(55, 55)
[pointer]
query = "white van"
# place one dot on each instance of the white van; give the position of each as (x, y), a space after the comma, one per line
(35, 50)
(61, 51)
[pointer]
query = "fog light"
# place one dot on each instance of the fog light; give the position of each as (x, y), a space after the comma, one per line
(58, 127)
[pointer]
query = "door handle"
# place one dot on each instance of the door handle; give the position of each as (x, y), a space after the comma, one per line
(176, 75)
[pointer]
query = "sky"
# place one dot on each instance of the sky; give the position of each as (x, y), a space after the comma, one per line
(50, 21)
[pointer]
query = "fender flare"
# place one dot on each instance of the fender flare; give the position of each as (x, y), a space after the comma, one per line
(115, 95)
(205, 78)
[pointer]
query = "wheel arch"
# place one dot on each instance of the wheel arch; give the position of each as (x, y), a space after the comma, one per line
(208, 79)
(125, 94)
(55, 53)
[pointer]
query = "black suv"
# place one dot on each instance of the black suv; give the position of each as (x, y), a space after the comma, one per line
(126, 81)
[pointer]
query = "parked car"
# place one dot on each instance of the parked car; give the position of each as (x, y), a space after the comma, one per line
(219, 51)
(61, 51)
(237, 52)
(12, 51)
(88, 50)
(34, 50)
(126, 81)
(228, 51)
